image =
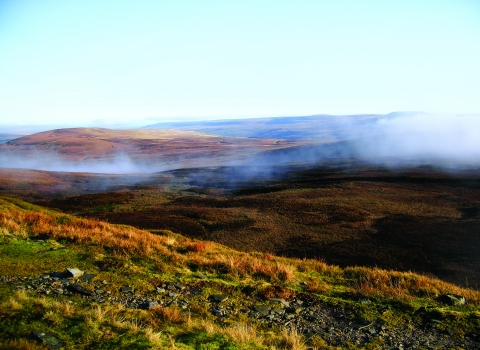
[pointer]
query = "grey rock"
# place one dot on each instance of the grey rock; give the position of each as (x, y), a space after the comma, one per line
(75, 288)
(126, 289)
(195, 291)
(57, 275)
(74, 272)
(179, 286)
(216, 312)
(149, 304)
(218, 298)
(48, 340)
(262, 309)
(281, 301)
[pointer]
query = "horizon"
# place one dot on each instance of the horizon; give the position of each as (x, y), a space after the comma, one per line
(119, 63)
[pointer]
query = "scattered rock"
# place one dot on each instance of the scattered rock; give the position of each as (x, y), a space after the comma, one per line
(310, 316)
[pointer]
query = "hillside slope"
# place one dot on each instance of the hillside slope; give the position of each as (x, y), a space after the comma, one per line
(163, 290)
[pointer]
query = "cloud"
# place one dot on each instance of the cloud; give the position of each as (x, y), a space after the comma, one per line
(442, 140)
(51, 161)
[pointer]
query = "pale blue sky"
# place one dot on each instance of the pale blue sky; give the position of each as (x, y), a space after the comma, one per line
(140, 62)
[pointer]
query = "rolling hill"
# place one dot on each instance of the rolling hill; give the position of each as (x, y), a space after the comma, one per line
(127, 151)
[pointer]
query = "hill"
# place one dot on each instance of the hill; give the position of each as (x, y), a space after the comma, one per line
(143, 290)
(315, 127)
(127, 151)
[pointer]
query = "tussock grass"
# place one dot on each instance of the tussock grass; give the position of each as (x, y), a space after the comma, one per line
(402, 285)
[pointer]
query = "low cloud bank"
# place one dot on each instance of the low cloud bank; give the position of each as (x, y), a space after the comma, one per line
(49, 161)
(440, 140)
(397, 139)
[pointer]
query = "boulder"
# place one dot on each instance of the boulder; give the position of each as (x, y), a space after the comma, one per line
(74, 272)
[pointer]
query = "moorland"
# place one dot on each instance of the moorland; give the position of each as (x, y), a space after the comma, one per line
(292, 218)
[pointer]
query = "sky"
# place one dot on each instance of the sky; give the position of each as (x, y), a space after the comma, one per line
(133, 63)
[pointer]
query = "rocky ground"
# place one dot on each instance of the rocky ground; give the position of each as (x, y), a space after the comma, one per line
(304, 312)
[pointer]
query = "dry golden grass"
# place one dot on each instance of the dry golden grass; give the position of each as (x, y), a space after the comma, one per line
(244, 334)
(84, 231)
(198, 246)
(402, 285)
(291, 339)
(169, 314)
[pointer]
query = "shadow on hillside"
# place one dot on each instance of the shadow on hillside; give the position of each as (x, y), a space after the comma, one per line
(447, 250)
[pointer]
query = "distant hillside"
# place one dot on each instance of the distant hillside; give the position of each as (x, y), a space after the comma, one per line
(8, 137)
(127, 150)
(315, 127)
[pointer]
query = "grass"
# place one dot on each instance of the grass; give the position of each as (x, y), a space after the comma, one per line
(124, 255)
